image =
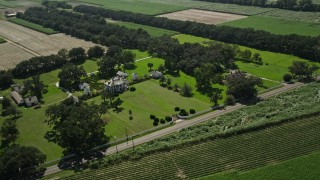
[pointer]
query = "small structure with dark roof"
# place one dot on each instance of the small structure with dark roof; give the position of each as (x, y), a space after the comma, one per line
(156, 74)
(31, 101)
(16, 87)
(17, 98)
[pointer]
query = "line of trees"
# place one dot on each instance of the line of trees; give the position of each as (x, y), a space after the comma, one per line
(301, 5)
(303, 46)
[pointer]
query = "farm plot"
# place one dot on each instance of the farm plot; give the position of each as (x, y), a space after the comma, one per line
(37, 42)
(202, 16)
(11, 55)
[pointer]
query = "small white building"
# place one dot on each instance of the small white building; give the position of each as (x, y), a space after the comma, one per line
(122, 74)
(86, 88)
(117, 85)
(1, 98)
(135, 76)
(156, 74)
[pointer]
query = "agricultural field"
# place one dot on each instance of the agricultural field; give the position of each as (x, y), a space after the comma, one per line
(32, 26)
(18, 3)
(277, 26)
(241, 152)
(202, 16)
(145, 7)
(35, 42)
(274, 67)
(307, 17)
(11, 55)
(305, 167)
(153, 31)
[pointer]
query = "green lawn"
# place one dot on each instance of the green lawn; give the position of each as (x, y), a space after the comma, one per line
(32, 26)
(153, 31)
(9, 3)
(144, 7)
(149, 98)
(305, 167)
(277, 26)
(274, 67)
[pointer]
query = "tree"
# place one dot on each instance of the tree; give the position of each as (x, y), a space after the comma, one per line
(241, 86)
(21, 162)
(9, 131)
(12, 110)
(116, 103)
(186, 90)
(70, 76)
(6, 79)
(215, 97)
(95, 52)
(162, 80)
(161, 68)
(75, 127)
(5, 103)
(114, 50)
(64, 53)
(256, 58)
(302, 69)
(35, 87)
(287, 77)
(77, 54)
(169, 80)
(107, 67)
(230, 100)
(246, 55)
(176, 87)
(150, 65)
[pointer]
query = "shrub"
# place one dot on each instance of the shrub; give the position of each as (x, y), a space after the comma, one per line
(183, 112)
(230, 100)
(152, 116)
(156, 119)
(176, 109)
(130, 118)
(168, 118)
(169, 87)
(162, 121)
(132, 89)
(287, 77)
(192, 111)
(94, 165)
(155, 123)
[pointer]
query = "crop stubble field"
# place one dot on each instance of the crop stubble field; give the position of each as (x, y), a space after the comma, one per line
(34, 41)
(202, 16)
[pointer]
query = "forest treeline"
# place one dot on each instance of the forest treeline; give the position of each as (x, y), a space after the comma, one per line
(301, 5)
(302, 46)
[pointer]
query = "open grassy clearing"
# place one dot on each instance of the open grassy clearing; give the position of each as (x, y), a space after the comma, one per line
(153, 31)
(240, 152)
(277, 26)
(202, 16)
(32, 26)
(274, 67)
(305, 167)
(144, 7)
(149, 98)
(18, 3)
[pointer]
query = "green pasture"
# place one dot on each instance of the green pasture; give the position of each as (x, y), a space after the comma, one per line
(144, 7)
(153, 31)
(18, 3)
(32, 26)
(275, 65)
(277, 25)
(149, 98)
(305, 167)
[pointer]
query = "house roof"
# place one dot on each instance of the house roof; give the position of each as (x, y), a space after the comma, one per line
(32, 99)
(17, 97)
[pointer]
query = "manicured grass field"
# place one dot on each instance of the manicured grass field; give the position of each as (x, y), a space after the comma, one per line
(274, 67)
(153, 31)
(305, 167)
(149, 98)
(144, 7)
(240, 153)
(32, 26)
(277, 26)
(8, 3)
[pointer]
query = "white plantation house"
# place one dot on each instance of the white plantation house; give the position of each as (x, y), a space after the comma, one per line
(117, 85)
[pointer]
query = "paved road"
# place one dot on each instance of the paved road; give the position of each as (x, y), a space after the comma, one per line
(184, 124)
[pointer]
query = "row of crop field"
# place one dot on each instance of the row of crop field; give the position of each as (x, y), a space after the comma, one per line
(32, 26)
(241, 152)
(311, 17)
(305, 167)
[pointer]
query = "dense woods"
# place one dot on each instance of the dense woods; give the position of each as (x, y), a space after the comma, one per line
(303, 46)
(301, 5)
